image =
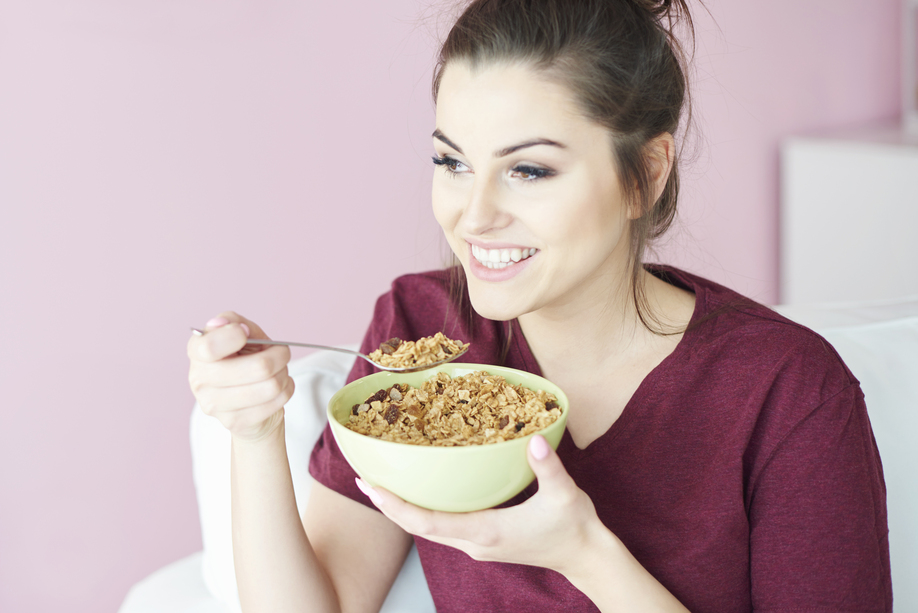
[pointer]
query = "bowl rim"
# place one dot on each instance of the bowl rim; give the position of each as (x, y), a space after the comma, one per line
(339, 427)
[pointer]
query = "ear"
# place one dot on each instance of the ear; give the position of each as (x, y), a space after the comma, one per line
(661, 154)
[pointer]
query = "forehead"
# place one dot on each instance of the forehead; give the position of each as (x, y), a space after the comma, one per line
(509, 102)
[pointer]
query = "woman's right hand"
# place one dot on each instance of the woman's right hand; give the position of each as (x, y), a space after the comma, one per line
(245, 387)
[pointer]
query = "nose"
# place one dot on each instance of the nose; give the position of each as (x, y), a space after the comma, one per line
(485, 210)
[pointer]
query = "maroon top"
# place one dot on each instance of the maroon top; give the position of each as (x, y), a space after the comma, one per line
(743, 473)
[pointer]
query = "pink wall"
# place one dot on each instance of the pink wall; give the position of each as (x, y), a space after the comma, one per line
(162, 160)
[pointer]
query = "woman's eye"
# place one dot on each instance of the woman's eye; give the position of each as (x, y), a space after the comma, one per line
(530, 173)
(452, 165)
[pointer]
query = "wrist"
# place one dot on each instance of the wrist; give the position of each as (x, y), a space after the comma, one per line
(613, 579)
(268, 431)
(595, 556)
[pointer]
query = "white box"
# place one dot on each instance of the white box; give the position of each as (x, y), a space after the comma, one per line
(849, 216)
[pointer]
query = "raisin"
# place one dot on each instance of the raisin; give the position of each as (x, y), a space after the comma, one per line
(389, 346)
(503, 422)
(354, 409)
(445, 349)
(392, 414)
(519, 426)
(378, 396)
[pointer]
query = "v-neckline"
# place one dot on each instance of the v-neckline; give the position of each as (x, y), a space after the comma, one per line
(567, 447)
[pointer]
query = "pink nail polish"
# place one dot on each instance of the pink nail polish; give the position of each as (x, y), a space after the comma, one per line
(368, 491)
(216, 322)
(538, 447)
(246, 328)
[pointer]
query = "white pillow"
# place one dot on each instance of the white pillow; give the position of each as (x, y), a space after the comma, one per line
(317, 377)
(879, 343)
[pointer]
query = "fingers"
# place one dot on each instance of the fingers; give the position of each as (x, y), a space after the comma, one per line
(439, 526)
(556, 519)
(226, 334)
(245, 387)
(215, 388)
(555, 488)
(241, 369)
(252, 422)
(550, 472)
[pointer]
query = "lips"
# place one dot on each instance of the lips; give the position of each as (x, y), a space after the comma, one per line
(501, 258)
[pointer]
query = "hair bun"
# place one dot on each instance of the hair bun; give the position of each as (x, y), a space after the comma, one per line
(670, 9)
(657, 7)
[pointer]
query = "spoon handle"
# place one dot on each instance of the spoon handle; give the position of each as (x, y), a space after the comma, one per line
(259, 341)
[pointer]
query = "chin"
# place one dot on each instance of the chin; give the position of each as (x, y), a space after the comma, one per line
(492, 304)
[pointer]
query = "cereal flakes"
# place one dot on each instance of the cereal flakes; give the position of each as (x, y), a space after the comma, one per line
(473, 409)
(396, 353)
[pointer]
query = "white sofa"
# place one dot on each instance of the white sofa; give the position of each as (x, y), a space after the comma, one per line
(878, 341)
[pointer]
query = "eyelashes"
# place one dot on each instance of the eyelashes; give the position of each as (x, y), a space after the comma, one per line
(524, 172)
(531, 173)
(451, 165)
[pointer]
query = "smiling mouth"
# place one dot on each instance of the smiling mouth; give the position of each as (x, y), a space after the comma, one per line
(501, 258)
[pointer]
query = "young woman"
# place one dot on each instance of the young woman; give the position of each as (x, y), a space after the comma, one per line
(717, 456)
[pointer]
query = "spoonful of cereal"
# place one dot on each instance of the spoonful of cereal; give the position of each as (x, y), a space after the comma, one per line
(394, 355)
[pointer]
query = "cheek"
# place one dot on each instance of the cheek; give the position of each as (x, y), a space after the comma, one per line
(592, 225)
(446, 208)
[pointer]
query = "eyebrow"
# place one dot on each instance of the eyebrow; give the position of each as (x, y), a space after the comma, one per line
(502, 152)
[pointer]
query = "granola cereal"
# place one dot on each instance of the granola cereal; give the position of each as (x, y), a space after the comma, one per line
(473, 409)
(396, 353)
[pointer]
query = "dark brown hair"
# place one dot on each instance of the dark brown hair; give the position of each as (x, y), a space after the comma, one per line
(621, 60)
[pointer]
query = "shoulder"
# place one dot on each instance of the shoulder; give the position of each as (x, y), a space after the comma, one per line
(772, 380)
(419, 300)
(430, 284)
(743, 337)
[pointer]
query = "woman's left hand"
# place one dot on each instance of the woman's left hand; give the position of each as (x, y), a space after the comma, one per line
(551, 529)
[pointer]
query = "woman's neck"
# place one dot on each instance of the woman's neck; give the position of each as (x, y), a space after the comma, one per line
(601, 329)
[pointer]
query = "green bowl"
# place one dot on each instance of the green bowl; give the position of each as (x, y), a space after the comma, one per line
(457, 479)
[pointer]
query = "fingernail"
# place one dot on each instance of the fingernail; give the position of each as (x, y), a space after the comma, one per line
(374, 497)
(538, 447)
(216, 322)
(246, 328)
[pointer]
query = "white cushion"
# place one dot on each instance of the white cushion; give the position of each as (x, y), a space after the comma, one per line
(317, 377)
(176, 588)
(879, 343)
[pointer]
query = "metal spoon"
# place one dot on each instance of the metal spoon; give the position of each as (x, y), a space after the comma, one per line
(258, 341)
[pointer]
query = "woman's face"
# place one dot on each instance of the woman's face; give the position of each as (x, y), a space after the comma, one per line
(526, 191)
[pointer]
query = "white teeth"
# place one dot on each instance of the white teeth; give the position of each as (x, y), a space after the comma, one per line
(501, 258)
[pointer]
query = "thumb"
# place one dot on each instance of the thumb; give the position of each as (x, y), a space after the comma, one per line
(225, 335)
(251, 329)
(546, 464)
